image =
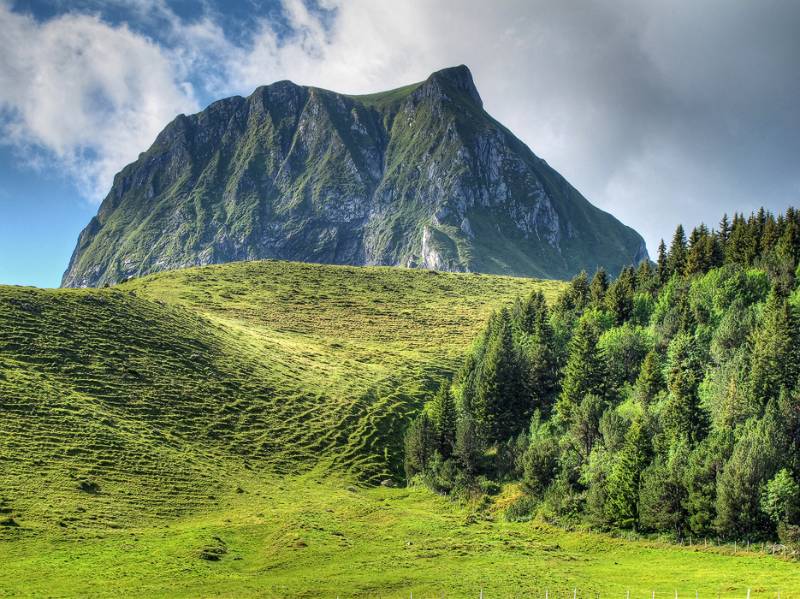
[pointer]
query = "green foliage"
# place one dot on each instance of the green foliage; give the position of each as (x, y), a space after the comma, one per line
(683, 416)
(585, 371)
(622, 506)
(754, 461)
(677, 395)
(419, 444)
(540, 460)
(781, 499)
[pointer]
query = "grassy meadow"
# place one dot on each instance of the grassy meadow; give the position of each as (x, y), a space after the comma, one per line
(221, 431)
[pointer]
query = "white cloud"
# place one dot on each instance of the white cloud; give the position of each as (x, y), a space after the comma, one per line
(660, 112)
(90, 95)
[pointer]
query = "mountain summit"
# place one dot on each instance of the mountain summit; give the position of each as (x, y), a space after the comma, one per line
(419, 176)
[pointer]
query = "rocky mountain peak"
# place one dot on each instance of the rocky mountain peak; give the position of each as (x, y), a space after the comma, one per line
(457, 79)
(417, 176)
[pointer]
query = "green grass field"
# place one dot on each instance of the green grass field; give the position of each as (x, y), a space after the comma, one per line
(245, 412)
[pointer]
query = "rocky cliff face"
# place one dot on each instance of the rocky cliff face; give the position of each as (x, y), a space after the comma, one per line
(420, 176)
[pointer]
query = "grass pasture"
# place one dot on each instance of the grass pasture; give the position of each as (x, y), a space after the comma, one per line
(218, 432)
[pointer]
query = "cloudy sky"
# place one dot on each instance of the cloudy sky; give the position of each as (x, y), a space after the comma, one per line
(657, 111)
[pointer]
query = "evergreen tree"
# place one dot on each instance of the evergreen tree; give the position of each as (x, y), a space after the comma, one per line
(735, 246)
(420, 442)
(540, 460)
(623, 481)
(598, 287)
(753, 462)
(724, 232)
(662, 267)
(645, 277)
(443, 416)
(584, 430)
(705, 465)
(501, 406)
(469, 446)
(584, 372)
(662, 494)
(676, 259)
(775, 351)
(684, 418)
(650, 381)
(542, 363)
(619, 299)
(530, 315)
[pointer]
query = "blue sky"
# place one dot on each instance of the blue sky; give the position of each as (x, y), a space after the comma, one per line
(660, 112)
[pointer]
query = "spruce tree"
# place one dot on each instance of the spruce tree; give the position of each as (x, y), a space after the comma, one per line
(724, 231)
(683, 417)
(584, 373)
(598, 287)
(502, 406)
(650, 381)
(443, 415)
(662, 268)
(420, 442)
(774, 364)
(619, 299)
(623, 481)
(676, 259)
(753, 462)
(542, 362)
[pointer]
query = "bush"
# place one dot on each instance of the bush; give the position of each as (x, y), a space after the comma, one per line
(522, 509)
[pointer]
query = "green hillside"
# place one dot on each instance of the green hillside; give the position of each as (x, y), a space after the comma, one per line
(161, 390)
(219, 431)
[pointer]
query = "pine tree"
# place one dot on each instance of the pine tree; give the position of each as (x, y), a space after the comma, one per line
(683, 416)
(676, 259)
(598, 287)
(662, 267)
(443, 416)
(774, 363)
(623, 481)
(502, 406)
(584, 373)
(619, 299)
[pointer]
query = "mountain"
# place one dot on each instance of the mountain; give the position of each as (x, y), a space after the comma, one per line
(420, 176)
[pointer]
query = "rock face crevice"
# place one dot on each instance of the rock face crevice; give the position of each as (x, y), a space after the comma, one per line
(420, 176)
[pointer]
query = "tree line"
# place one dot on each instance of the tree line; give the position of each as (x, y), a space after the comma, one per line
(664, 400)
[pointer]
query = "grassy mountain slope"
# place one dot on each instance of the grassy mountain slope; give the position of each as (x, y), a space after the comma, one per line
(162, 390)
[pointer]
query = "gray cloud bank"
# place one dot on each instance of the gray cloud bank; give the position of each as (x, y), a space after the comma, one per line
(658, 111)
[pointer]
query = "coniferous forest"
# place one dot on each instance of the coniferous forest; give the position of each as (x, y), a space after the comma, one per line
(665, 400)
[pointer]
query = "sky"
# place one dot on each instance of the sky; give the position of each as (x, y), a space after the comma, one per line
(658, 111)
